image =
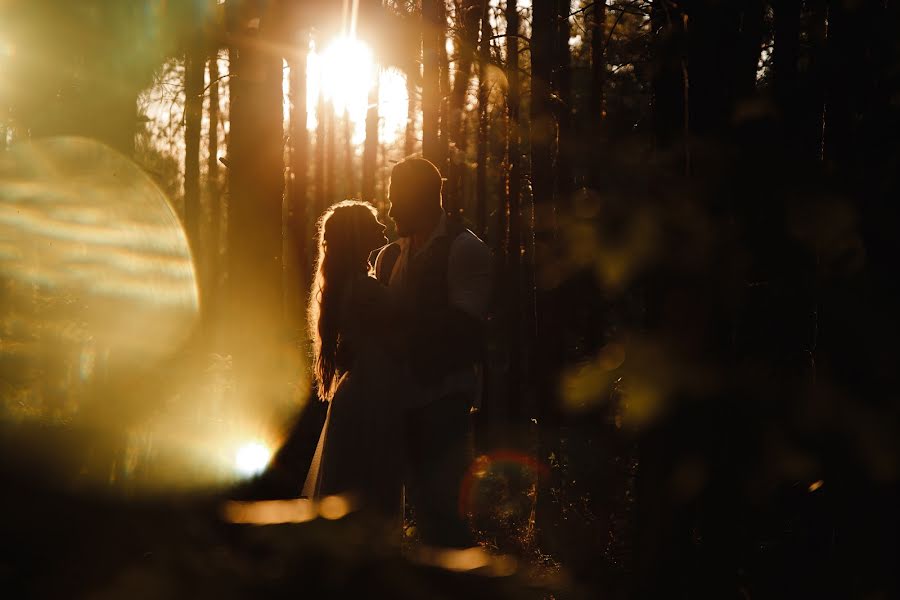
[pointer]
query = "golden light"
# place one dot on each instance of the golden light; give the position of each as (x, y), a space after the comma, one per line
(467, 559)
(299, 510)
(269, 512)
(334, 507)
(252, 458)
(347, 75)
(345, 72)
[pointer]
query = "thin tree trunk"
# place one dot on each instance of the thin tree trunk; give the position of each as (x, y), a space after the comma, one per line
(598, 82)
(750, 47)
(514, 242)
(713, 43)
(432, 37)
(484, 55)
(319, 173)
(785, 61)
(297, 263)
(348, 181)
(194, 67)
(299, 148)
(545, 356)
(668, 84)
(468, 20)
(370, 147)
(814, 98)
(444, 91)
(330, 154)
(562, 85)
(4, 127)
(468, 27)
(212, 173)
(543, 131)
(853, 101)
(409, 144)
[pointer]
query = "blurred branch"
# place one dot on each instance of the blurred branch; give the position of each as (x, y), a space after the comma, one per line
(217, 80)
(612, 29)
(622, 8)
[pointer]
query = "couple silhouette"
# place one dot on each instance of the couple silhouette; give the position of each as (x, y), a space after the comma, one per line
(397, 344)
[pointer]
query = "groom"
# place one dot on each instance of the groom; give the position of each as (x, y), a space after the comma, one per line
(443, 272)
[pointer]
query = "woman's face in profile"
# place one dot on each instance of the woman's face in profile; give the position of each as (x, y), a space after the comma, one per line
(373, 234)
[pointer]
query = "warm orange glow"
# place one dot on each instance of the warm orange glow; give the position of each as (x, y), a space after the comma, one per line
(345, 72)
(467, 559)
(269, 512)
(272, 512)
(251, 459)
(347, 75)
(334, 507)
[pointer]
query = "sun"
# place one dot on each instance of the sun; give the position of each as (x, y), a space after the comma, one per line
(347, 76)
(345, 71)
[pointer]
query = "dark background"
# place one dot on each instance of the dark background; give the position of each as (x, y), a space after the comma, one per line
(692, 382)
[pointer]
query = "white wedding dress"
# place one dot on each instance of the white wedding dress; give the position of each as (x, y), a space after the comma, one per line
(361, 445)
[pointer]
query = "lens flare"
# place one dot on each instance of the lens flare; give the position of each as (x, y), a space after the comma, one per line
(252, 459)
(517, 469)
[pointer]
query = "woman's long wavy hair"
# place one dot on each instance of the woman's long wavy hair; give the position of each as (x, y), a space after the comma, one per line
(341, 255)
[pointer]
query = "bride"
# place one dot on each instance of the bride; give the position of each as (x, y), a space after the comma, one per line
(355, 365)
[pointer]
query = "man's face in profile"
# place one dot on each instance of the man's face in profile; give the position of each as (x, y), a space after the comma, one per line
(404, 210)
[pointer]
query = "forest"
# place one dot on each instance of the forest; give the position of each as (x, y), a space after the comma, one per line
(690, 367)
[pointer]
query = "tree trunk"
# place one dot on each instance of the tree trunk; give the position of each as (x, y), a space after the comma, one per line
(256, 184)
(194, 67)
(481, 193)
(467, 28)
(545, 356)
(297, 262)
(370, 148)
(4, 126)
(851, 89)
(330, 155)
(813, 115)
(562, 85)
(597, 111)
(713, 42)
(319, 173)
(432, 37)
(543, 131)
(409, 143)
(669, 86)
(750, 48)
(348, 181)
(444, 92)
(212, 175)
(785, 65)
(514, 242)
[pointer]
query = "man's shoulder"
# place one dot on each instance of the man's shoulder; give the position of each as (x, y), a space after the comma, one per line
(470, 253)
(467, 241)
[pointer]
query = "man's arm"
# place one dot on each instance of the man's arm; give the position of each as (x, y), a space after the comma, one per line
(469, 276)
(455, 331)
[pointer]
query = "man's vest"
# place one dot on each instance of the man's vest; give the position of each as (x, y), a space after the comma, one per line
(442, 339)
